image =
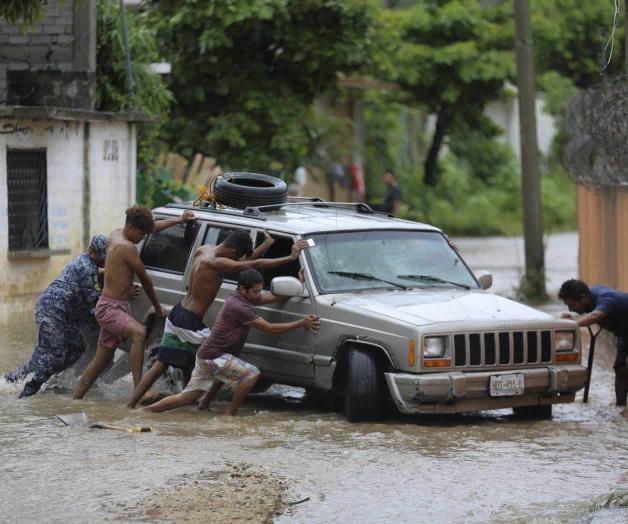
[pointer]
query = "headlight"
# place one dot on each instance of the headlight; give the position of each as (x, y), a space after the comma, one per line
(564, 340)
(434, 347)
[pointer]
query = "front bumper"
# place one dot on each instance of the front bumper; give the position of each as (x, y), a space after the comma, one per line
(457, 391)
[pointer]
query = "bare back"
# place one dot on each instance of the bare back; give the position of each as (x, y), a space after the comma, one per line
(205, 281)
(212, 262)
(118, 271)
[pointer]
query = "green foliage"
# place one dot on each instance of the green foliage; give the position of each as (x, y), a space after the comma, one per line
(570, 36)
(464, 204)
(150, 93)
(25, 11)
(452, 57)
(246, 72)
(157, 188)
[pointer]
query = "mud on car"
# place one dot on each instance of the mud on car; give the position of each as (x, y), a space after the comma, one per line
(402, 316)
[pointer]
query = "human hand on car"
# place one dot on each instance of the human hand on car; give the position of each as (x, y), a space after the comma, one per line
(268, 238)
(160, 311)
(297, 247)
(312, 322)
(188, 216)
(135, 290)
(568, 316)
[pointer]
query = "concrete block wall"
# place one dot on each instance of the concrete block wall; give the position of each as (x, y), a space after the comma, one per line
(99, 156)
(65, 40)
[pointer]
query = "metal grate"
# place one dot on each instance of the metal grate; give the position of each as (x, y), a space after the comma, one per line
(27, 199)
(502, 348)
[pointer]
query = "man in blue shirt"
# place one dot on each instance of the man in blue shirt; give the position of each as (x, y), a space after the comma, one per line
(64, 307)
(608, 308)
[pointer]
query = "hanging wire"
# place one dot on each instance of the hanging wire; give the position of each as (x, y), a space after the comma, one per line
(611, 41)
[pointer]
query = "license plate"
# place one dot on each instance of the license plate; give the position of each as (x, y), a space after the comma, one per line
(506, 385)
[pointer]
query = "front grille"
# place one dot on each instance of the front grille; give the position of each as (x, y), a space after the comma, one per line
(502, 348)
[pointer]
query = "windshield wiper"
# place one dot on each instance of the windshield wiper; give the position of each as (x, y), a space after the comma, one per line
(433, 278)
(365, 276)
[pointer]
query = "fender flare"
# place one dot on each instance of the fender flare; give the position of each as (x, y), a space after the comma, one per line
(347, 342)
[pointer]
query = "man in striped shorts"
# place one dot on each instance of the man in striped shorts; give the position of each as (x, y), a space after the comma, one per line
(184, 330)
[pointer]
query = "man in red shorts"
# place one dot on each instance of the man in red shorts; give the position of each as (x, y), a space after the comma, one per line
(112, 311)
(217, 359)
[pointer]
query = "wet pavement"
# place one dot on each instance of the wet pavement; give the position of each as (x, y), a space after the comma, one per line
(488, 467)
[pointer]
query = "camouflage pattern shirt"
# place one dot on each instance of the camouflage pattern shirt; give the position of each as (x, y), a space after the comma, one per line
(72, 296)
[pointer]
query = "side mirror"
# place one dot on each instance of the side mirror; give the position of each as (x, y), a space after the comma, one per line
(485, 280)
(288, 287)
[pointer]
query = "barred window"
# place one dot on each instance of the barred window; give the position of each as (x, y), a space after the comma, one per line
(28, 199)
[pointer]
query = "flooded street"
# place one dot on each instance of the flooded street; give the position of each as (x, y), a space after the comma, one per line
(489, 467)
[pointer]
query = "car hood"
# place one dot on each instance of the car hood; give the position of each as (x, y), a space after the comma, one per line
(423, 307)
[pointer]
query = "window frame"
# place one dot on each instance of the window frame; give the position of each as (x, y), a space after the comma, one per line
(192, 248)
(279, 234)
(224, 225)
(30, 251)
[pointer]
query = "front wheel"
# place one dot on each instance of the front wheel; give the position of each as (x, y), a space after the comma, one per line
(539, 412)
(364, 391)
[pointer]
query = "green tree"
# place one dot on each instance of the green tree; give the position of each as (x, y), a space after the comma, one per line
(245, 73)
(150, 92)
(452, 56)
(26, 11)
(570, 36)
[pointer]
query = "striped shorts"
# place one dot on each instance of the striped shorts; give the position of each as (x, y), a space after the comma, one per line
(183, 333)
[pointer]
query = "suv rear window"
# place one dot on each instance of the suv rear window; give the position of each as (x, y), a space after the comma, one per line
(169, 250)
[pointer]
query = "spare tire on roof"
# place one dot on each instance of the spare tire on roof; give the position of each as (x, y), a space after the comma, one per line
(243, 190)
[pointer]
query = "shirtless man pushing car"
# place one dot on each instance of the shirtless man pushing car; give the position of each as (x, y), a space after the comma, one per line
(184, 330)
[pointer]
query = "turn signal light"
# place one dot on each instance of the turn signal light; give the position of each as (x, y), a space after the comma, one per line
(411, 353)
(437, 363)
(566, 357)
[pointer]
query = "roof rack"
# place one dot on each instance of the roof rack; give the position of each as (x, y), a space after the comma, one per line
(256, 212)
(305, 199)
(211, 208)
(359, 207)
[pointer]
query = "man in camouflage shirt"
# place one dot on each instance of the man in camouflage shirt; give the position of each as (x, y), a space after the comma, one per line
(64, 307)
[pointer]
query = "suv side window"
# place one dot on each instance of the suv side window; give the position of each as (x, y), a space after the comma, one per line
(169, 250)
(214, 235)
(281, 248)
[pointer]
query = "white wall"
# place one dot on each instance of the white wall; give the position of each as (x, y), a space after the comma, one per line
(112, 189)
(111, 160)
(505, 113)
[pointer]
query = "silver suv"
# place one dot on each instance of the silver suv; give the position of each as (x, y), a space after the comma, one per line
(402, 316)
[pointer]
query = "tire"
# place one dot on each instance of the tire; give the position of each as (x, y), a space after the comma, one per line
(364, 391)
(242, 190)
(534, 412)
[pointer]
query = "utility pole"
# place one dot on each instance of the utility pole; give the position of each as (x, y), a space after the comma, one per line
(533, 285)
(127, 56)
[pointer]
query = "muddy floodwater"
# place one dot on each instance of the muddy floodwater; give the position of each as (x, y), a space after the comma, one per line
(288, 460)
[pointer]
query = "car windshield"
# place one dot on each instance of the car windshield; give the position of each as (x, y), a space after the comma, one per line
(364, 260)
